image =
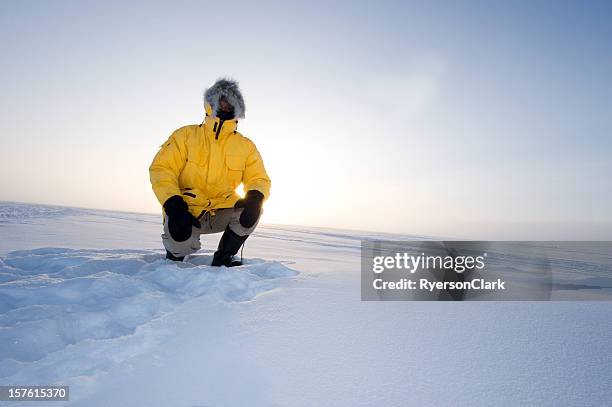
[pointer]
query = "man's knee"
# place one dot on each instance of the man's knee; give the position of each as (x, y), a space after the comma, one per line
(180, 249)
(237, 227)
(183, 248)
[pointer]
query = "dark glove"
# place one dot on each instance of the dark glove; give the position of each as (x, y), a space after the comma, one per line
(180, 220)
(251, 203)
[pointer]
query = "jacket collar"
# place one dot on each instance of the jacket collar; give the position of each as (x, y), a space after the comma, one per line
(213, 125)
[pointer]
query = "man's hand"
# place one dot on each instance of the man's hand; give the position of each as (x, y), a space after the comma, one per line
(251, 203)
(180, 220)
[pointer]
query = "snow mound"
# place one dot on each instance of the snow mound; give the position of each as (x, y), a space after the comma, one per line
(55, 301)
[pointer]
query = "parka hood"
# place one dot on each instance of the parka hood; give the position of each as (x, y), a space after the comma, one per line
(228, 88)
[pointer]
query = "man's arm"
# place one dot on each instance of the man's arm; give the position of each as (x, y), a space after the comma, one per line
(257, 186)
(167, 166)
(255, 176)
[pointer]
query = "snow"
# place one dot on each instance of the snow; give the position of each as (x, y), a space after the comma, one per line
(86, 295)
(87, 300)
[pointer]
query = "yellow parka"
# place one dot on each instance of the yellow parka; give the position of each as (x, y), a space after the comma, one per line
(204, 164)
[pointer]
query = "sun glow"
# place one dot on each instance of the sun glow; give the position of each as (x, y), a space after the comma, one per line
(240, 190)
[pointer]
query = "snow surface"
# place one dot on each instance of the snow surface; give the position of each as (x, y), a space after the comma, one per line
(87, 300)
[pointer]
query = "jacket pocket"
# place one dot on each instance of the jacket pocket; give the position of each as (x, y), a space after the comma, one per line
(235, 167)
(193, 197)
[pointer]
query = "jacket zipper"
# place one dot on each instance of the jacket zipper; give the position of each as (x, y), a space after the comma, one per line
(218, 130)
(207, 169)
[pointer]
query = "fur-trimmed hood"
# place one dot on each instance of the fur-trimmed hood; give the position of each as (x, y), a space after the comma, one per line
(228, 88)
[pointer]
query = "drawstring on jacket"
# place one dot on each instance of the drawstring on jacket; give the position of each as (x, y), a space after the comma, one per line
(207, 217)
(241, 250)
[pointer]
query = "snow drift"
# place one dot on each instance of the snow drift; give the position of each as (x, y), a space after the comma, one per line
(55, 301)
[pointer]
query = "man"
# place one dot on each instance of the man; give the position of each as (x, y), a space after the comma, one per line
(196, 172)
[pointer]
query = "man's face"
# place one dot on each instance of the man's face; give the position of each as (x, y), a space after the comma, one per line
(225, 108)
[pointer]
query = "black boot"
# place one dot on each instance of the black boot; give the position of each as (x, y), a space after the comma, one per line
(228, 246)
(171, 256)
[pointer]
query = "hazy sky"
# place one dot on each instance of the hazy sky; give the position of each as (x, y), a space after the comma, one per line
(453, 118)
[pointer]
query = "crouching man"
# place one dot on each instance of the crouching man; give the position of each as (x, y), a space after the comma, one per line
(195, 175)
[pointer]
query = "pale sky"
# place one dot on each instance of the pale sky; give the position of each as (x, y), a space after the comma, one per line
(470, 119)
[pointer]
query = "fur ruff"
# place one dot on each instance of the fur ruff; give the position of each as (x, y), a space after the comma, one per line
(228, 88)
